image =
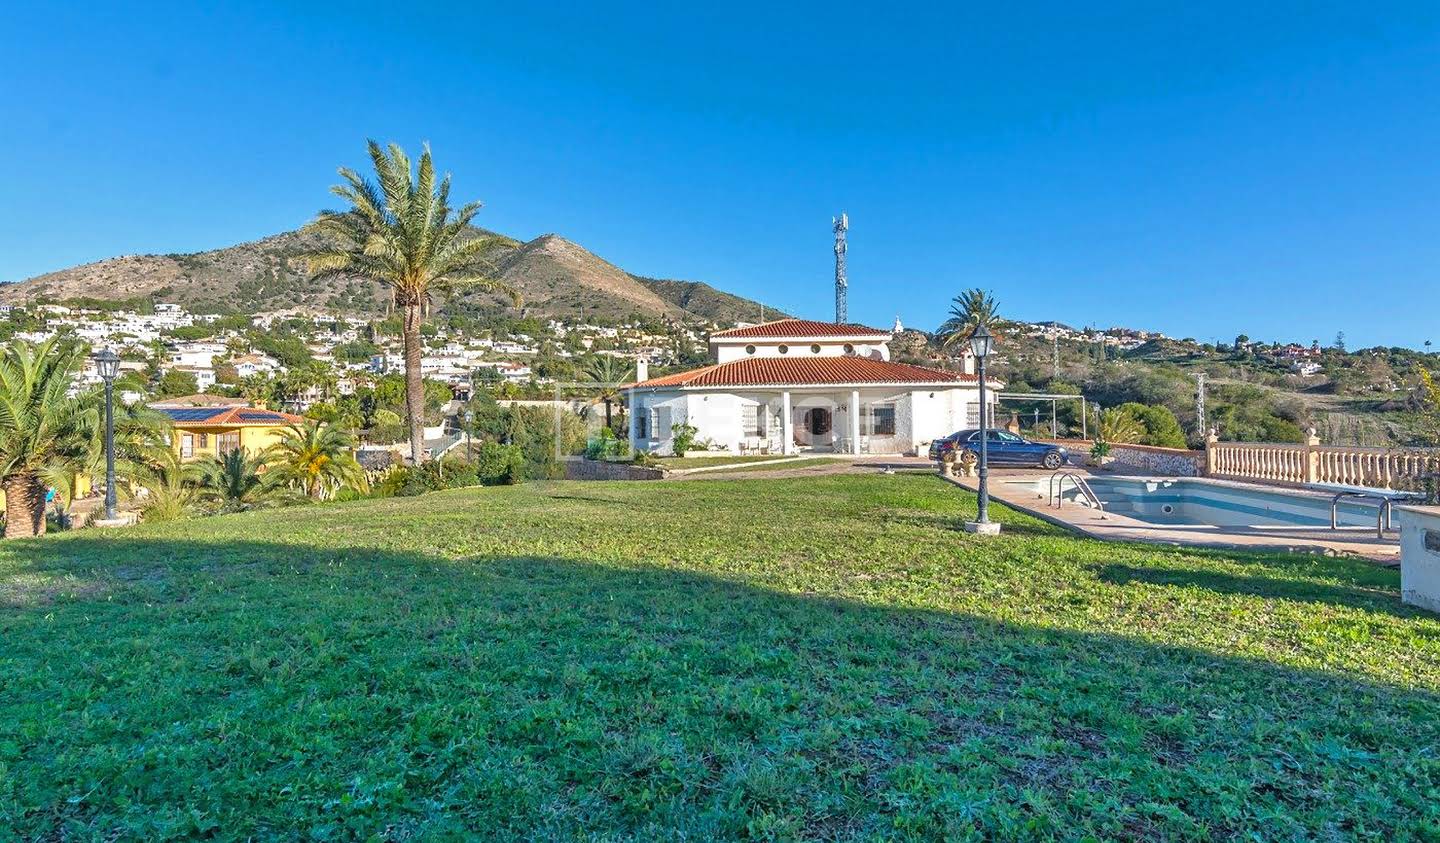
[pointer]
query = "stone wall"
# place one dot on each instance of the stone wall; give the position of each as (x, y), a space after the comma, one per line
(1171, 462)
(579, 468)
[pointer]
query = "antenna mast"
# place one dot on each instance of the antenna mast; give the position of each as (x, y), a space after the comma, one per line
(1200, 404)
(842, 225)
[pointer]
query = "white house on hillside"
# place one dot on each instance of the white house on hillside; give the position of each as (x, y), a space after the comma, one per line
(794, 385)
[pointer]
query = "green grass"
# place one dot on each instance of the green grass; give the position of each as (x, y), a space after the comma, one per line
(822, 657)
(701, 462)
(789, 465)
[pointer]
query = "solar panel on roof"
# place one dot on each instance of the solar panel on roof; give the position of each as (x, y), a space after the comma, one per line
(260, 416)
(190, 415)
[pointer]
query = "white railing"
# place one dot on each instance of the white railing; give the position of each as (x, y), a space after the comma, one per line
(1375, 468)
(1282, 463)
(1379, 468)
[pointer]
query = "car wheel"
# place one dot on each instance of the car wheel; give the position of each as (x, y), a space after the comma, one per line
(1052, 460)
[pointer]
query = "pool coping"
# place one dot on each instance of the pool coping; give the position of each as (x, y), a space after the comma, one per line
(1347, 541)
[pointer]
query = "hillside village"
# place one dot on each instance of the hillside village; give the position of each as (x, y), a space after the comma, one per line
(223, 358)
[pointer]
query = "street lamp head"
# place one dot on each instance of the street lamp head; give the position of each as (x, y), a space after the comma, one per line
(108, 362)
(981, 341)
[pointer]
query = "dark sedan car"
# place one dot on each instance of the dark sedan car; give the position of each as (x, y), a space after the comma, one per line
(1003, 448)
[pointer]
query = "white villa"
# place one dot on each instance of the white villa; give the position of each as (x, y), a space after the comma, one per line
(795, 385)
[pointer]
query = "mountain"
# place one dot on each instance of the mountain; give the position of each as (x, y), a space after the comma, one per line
(556, 277)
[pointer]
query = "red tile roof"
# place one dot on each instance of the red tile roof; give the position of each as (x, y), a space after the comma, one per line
(804, 371)
(799, 328)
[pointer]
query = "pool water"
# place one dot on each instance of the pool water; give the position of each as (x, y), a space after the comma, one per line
(1195, 501)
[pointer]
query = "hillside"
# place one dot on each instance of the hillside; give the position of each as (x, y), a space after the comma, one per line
(555, 276)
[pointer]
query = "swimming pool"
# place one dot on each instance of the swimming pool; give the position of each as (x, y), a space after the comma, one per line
(1204, 502)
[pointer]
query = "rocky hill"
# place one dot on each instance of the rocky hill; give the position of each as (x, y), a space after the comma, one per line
(556, 278)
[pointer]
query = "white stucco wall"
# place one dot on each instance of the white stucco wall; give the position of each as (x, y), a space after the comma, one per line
(920, 416)
(726, 351)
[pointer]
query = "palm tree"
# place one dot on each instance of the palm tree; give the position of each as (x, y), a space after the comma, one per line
(315, 459)
(608, 373)
(165, 488)
(967, 310)
(1120, 426)
(233, 482)
(403, 233)
(44, 431)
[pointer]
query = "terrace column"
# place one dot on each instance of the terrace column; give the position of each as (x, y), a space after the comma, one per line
(787, 425)
(1312, 457)
(634, 421)
(855, 422)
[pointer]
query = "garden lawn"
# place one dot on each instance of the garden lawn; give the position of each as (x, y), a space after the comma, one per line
(707, 462)
(822, 657)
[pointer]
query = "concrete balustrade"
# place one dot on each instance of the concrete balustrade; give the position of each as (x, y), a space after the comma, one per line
(1401, 469)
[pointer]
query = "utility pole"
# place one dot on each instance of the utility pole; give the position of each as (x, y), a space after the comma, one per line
(1055, 362)
(841, 225)
(1200, 404)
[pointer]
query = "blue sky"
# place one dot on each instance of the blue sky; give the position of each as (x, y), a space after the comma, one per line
(1203, 170)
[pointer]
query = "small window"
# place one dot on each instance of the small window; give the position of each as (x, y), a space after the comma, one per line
(642, 423)
(849, 349)
(204, 440)
(784, 349)
(749, 349)
(752, 421)
(815, 349)
(187, 446)
(882, 420)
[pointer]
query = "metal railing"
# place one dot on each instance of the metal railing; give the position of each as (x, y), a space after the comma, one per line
(1057, 490)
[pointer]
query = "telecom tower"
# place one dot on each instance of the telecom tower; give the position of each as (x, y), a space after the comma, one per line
(842, 225)
(1200, 404)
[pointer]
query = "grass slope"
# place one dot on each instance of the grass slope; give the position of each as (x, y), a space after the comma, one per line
(821, 657)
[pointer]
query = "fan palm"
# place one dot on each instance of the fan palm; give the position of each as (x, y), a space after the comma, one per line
(234, 481)
(314, 458)
(608, 373)
(403, 233)
(44, 431)
(969, 309)
(1119, 425)
(165, 488)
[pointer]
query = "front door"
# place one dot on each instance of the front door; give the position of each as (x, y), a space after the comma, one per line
(817, 422)
(814, 427)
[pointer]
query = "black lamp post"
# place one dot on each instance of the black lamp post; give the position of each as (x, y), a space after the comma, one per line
(981, 343)
(108, 362)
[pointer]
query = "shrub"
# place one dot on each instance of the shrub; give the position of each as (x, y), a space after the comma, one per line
(500, 465)
(1162, 429)
(684, 437)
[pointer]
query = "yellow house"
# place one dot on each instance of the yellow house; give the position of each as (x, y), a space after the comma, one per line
(211, 425)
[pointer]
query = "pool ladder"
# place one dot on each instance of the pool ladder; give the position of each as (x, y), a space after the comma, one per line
(1057, 490)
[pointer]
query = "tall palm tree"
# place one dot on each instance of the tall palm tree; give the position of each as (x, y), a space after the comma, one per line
(403, 233)
(608, 373)
(233, 482)
(44, 431)
(314, 458)
(967, 310)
